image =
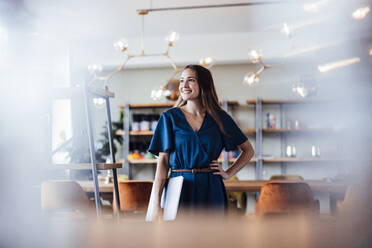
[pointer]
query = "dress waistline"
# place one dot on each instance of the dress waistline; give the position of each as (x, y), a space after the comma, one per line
(196, 170)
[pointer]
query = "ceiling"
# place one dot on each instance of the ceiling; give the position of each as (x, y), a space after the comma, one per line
(99, 23)
(85, 18)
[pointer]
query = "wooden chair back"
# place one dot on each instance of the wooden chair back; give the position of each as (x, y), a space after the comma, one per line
(286, 197)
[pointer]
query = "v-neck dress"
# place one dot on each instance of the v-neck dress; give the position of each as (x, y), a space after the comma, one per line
(190, 149)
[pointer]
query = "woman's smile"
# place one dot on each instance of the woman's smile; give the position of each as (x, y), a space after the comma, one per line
(189, 87)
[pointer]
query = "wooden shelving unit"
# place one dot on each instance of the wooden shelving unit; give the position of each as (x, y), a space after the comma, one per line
(259, 132)
(128, 134)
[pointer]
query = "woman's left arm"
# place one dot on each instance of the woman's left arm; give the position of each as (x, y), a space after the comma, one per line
(244, 157)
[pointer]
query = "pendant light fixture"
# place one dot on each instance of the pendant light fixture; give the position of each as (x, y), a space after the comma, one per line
(122, 46)
(163, 91)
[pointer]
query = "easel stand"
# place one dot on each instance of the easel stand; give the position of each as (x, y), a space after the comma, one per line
(89, 93)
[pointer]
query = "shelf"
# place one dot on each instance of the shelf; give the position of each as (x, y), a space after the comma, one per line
(85, 166)
(143, 161)
(287, 101)
(148, 105)
(231, 103)
(293, 130)
(140, 161)
(135, 133)
(285, 130)
(232, 160)
(163, 105)
(250, 130)
(276, 160)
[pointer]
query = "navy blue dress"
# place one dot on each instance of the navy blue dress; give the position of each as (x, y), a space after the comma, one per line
(189, 149)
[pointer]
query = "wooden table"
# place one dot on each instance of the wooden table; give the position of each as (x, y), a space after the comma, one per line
(237, 186)
(103, 187)
(256, 185)
(336, 190)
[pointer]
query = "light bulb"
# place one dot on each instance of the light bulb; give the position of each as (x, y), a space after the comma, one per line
(286, 30)
(360, 13)
(157, 93)
(314, 7)
(121, 45)
(302, 91)
(166, 93)
(94, 68)
(255, 56)
(206, 62)
(99, 102)
(172, 37)
(250, 79)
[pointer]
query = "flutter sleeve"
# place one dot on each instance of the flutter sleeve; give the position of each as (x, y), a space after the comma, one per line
(235, 136)
(162, 140)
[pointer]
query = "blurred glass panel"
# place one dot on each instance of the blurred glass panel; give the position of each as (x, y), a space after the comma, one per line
(61, 128)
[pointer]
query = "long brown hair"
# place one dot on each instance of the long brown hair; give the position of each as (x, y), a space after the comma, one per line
(208, 96)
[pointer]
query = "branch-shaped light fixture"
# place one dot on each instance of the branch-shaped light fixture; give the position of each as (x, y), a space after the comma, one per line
(208, 62)
(122, 45)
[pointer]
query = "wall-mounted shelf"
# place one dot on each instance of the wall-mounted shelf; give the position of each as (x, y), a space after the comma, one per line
(135, 133)
(285, 130)
(85, 166)
(148, 105)
(294, 160)
(232, 160)
(288, 101)
(143, 161)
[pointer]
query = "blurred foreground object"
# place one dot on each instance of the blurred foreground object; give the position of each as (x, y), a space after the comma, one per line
(65, 197)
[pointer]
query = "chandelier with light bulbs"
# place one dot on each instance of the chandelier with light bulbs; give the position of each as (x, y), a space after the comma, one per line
(250, 79)
(122, 45)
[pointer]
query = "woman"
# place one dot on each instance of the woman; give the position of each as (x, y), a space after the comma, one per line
(189, 139)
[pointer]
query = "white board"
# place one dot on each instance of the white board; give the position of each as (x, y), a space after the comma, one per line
(169, 200)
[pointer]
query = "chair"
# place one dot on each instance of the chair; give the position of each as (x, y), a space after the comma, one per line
(134, 196)
(236, 200)
(286, 177)
(286, 197)
(64, 196)
(349, 201)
